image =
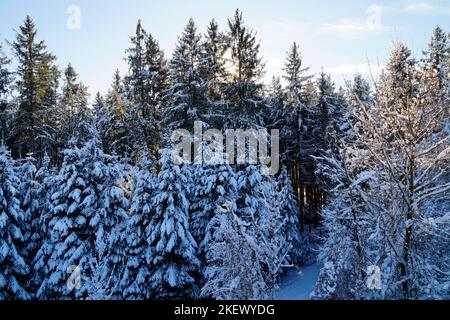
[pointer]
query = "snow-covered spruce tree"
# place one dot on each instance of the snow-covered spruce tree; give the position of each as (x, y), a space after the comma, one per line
(187, 90)
(243, 89)
(435, 73)
(110, 215)
(44, 178)
(147, 84)
(234, 271)
(257, 206)
(75, 115)
(295, 252)
(173, 261)
(214, 186)
(360, 94)
(213, 71)
(30, 197)
(100, 117)
(349, 221)
(35, 78)
(118, 136)
(5, 88)
(88, 205)
(436, 61)
(325, 113)
(295, 75)
(135, 279)
(100, 285)
(14, 268)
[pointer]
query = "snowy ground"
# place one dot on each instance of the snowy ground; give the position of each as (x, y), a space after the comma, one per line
(299, 283)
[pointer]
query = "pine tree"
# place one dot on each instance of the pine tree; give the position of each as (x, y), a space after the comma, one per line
(118, 127)
(100, 285)
(135, 279)
(234, 270)
(173, 260)
(294, 251)
(214, 186)
(295, 76)
(44, 179)
(243, 91)
(214, 73)
(5, 89)
(187, 94)
(257, 206)
(35, 64)
(29, 194)
(88, 205)
(435, 73)
(48, 134)
(14, 267)
(284, 117)
(75, 113)
(100, 118)
(148, 83)
(437, 58)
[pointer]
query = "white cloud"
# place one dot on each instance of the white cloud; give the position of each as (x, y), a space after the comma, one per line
(420, 7)
(349, 29)
(417, 7)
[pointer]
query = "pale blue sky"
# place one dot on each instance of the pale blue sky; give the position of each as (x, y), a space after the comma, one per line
(342, 36)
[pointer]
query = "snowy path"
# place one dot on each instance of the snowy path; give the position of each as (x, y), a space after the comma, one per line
(299, 283)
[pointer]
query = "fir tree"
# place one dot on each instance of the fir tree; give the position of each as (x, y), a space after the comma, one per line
(214, 186)
(294, 250)
(5, 89)
(214, 73)
(34, 65)
(187, 94)
(88, 205)
(135, 279)
(173, 261)
(234, 270)
(12, 219)
(118, 127)
(148, 84)
(76, 116)
(243, 90)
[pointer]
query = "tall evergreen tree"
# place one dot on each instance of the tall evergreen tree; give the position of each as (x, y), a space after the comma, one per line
(118, 130)
(295, 75)
(148, 84)
(187, 91)
(87, 206)
(12, 220)
(135, 278)
(75, 113)
(214, 186)
(5, 89)
(34, 65)
(100, 117)
(173, 261)
(294, 251)
(243, 91)
(214, 73)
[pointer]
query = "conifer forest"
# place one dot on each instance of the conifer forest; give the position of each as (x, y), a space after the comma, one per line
(99, 201)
